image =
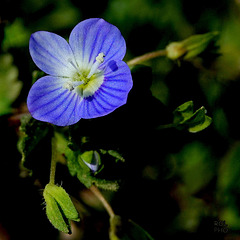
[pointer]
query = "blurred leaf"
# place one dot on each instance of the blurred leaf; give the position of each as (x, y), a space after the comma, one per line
(230, 214)
(120, 230)
(229, 170)
(36, 75)
(196, 166)
(16, 35)
(191, 213)
(64, 15)
(9, 85)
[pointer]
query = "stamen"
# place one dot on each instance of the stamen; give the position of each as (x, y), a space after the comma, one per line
(72, 63)
(99, 60)
(71, 85)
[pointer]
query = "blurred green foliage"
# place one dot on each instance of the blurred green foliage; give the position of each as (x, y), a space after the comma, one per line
(174, 183)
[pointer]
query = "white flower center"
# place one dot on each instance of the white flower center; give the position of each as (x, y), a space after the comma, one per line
(86, 81)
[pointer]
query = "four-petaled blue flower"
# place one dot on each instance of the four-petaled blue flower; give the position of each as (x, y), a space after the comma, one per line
(87, 77)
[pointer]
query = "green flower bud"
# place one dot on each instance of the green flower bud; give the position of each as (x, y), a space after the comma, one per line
(91, 159)
(59, 208)
(190, 47)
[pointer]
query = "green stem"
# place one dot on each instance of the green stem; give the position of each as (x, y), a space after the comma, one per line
(53, 162)
(146, 57)
(103, 200)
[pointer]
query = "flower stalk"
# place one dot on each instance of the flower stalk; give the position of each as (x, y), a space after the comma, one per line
(103, 200)
(146, 57)
(53, 161)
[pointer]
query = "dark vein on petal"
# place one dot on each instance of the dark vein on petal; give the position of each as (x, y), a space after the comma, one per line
(54, 109)
(53, 100)
(43, 95)
(70, 101)
(111, 95)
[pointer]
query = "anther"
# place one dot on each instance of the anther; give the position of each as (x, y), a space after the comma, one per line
(100, 57)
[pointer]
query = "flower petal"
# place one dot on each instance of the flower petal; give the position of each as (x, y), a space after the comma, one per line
(49, 101)
(52, 54)
(112, 93)
(94, 36)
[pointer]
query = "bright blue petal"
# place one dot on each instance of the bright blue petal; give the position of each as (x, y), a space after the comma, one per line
(48, 101)
(52, 54)
(112, 93)
(94, 36)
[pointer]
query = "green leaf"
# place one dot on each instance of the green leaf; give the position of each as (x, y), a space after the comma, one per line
(201, 126)
(59, 208)
(77, 164)
(183, 112)
(185, 117)
(9, 85)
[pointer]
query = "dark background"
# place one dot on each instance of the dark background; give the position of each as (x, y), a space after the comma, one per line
(174, 183)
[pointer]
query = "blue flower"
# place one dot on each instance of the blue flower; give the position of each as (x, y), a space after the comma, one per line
(86, 77)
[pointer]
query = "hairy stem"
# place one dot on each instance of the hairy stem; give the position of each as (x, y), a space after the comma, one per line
(146, 57)
(53, 162)
(103, 200)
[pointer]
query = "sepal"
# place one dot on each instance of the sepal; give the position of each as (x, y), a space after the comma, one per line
(59, 208)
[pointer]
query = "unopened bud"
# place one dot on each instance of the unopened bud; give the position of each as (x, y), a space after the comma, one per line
(190, 47)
